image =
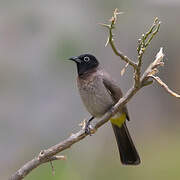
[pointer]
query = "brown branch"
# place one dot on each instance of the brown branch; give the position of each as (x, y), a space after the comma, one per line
(48, 155)
(143, 43)
(158, 80)
(110, 39)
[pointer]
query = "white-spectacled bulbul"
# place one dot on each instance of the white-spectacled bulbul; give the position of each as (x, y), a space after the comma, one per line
(99, 92)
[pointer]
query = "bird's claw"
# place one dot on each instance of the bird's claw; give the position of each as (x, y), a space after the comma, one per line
(88, 128)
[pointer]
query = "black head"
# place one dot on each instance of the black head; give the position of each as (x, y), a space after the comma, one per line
(85, 62)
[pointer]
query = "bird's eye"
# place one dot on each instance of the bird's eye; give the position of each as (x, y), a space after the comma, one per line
(86, 58)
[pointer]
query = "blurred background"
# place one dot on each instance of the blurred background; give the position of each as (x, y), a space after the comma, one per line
(39, 100)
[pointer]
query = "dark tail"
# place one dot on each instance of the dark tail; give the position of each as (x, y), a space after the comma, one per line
(127, 150)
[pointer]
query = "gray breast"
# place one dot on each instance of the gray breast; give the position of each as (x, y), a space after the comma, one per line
(95, 96)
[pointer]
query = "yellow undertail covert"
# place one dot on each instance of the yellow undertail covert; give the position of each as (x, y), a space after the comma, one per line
(118, 119)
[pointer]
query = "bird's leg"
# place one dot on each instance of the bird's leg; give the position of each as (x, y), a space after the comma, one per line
(87, 126)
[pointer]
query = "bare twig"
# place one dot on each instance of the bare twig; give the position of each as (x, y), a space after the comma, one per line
(143, 43)
(165, 86)
(48, 155)
(124, 69)
(52, 167)
(110, 39)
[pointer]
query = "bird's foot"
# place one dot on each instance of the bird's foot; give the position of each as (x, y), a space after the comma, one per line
(88, 127)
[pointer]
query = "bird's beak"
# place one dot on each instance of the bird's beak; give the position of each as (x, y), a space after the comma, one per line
(75, 59)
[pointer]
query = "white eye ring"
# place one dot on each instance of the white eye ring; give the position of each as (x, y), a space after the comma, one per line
(86, 59)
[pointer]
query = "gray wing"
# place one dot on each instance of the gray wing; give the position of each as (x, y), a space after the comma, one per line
(114, 90)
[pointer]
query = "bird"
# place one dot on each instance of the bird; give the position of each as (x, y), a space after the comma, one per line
(99, 93)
